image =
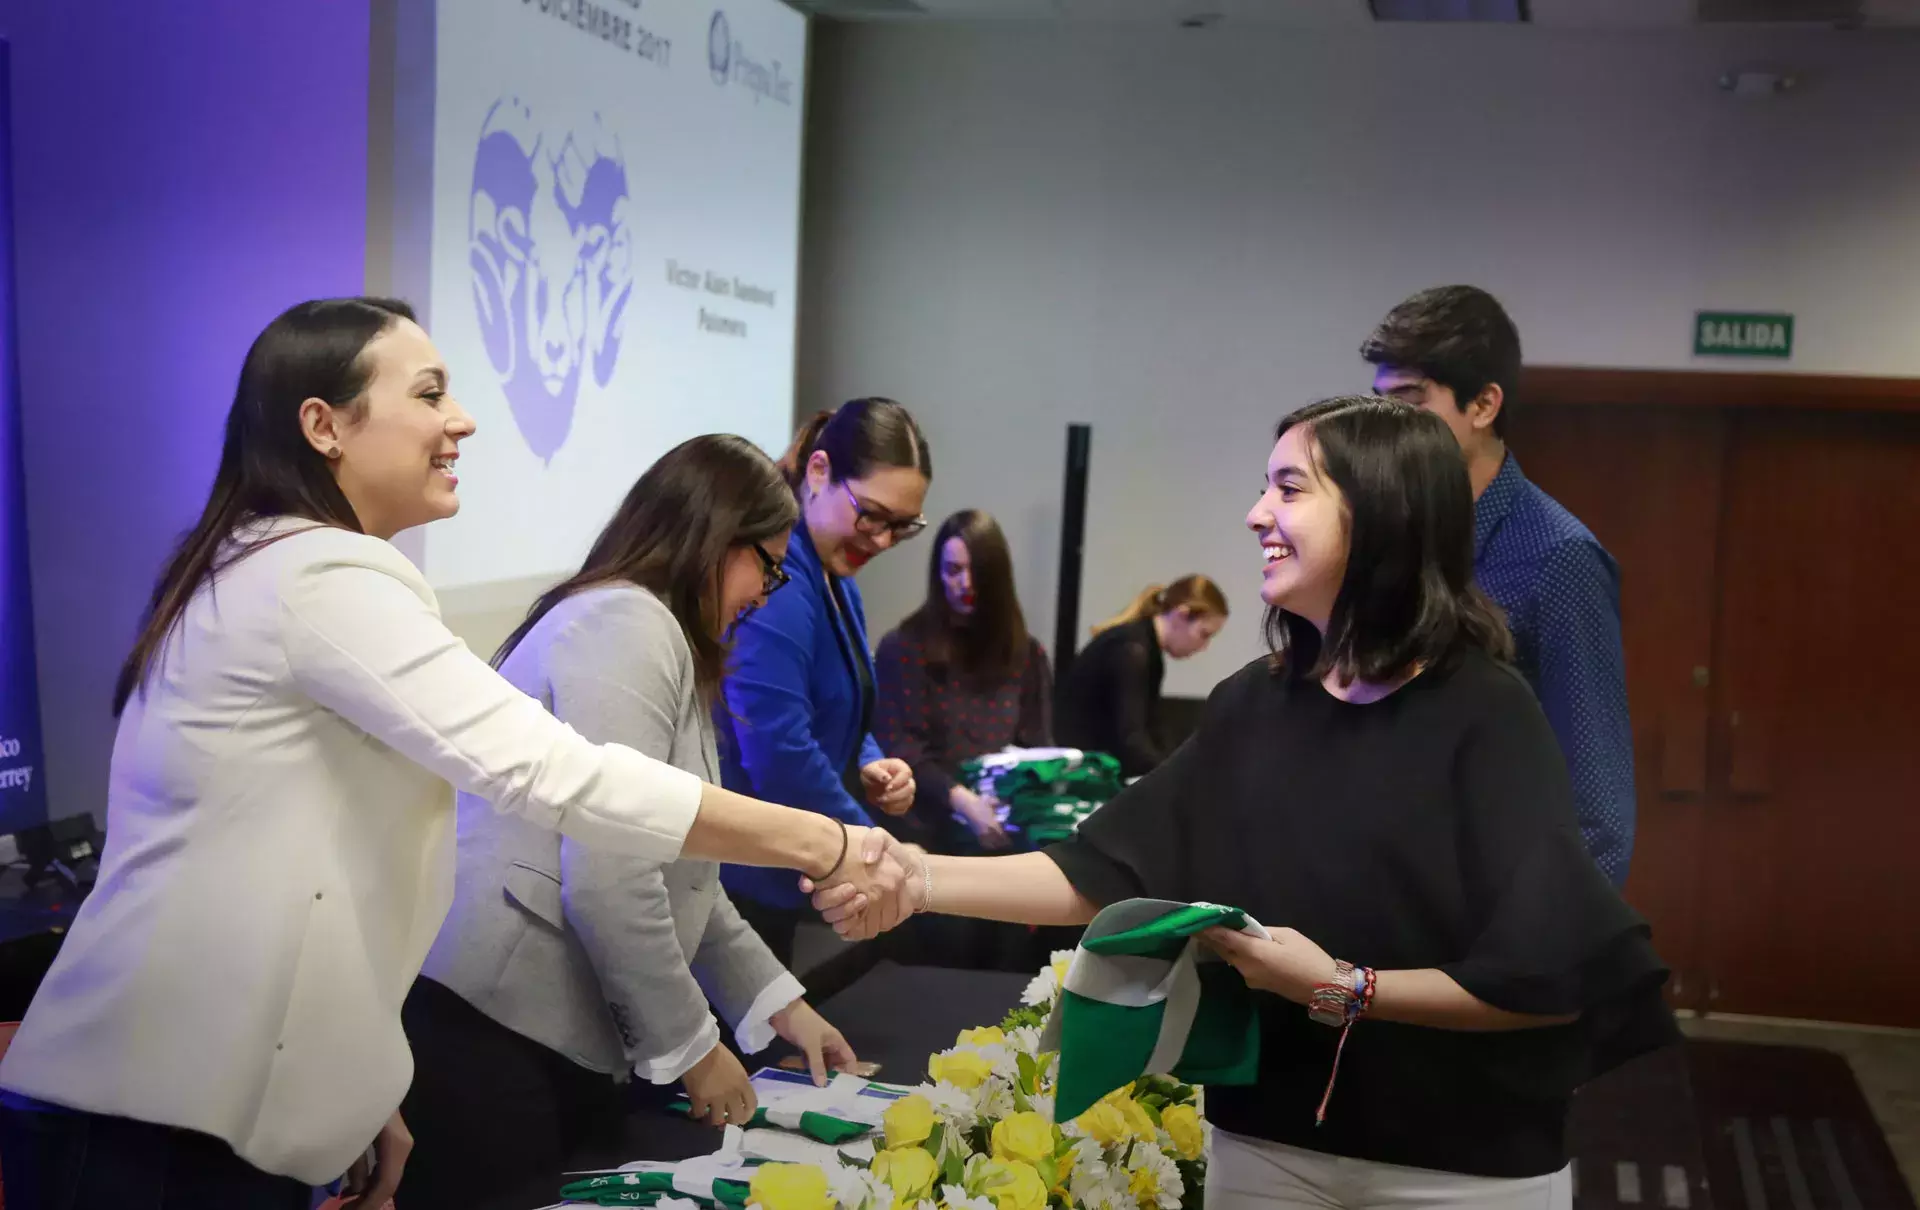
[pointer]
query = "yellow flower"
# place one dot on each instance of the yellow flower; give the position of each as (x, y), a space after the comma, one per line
(1182, 1124)
(1144, 1186)
(1060, 963)
(1104, 1124)
(908, 1171)
(1026, 1137)
(1139, 1122)
(789, 1187)
(1015, 1186)
(908, 1121)
(986, 1035)
(963, 1069)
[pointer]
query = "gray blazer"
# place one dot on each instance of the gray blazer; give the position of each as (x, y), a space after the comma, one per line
(607, 959)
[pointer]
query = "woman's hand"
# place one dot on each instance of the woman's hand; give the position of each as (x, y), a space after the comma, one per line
(980, 816)
(870, 871)
(823, 1045)
(889, 785)
(860, 914)
(371, 1186)
(720, 1090)
(1289, 966)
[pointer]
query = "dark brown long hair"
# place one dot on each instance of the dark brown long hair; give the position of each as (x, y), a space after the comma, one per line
(991, 643)
(703, 499)
(1408, 598)
(1199, 595)
(268, 468)
(858, 437)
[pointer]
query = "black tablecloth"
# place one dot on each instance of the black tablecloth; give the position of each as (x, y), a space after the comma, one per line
(894, 1015)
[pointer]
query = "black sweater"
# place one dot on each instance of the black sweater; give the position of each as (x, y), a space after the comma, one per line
(1109, 701)
(1432, 828)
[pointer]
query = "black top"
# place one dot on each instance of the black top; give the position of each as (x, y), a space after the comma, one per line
(1109, 699)
(1432, 828)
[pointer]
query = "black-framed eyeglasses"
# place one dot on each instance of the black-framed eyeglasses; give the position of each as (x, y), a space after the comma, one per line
(872, 524)
(773, 575)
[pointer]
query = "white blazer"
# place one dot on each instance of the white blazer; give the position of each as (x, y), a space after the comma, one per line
(279, 853)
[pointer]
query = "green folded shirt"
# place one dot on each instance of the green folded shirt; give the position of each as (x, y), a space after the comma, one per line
(648, 1188)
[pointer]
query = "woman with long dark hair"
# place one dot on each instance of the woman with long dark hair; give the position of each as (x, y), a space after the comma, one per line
(796, 725)
(562, 971)
(1109, 699)
(961, 678)
(222, 1025)
(1385, 794)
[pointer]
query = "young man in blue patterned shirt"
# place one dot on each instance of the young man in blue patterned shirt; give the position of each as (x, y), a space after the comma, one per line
(1454, 352)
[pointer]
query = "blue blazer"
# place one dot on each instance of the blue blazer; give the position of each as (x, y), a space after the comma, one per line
(792, 719)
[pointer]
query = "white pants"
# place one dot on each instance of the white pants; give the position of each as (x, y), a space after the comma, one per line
(1251, 1174)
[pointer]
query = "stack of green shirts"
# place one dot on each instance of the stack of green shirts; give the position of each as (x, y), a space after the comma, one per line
(1046, 796)
(647, 1188)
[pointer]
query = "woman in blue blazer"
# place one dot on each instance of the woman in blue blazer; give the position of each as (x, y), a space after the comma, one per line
(796, 723)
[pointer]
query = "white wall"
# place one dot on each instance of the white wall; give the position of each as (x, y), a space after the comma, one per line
(1180, 236)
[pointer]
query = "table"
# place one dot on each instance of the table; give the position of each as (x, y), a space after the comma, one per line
(893, 1015)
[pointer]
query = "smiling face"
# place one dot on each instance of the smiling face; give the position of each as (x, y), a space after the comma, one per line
(852, 520)
(1300, 520)
(393, 451)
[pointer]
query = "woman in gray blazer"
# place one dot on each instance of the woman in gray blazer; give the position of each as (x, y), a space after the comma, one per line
(561, 968)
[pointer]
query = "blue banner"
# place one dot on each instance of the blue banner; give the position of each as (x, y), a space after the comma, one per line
(23, 798)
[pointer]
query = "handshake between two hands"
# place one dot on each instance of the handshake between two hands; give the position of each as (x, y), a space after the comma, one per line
(879, 885)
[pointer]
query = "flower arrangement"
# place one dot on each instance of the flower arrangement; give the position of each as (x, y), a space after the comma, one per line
(980, 1135)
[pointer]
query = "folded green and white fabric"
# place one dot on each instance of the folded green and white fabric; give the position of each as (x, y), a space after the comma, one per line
(648, 1187)
(1046, 792)
(820, 1126)
(1142, 996)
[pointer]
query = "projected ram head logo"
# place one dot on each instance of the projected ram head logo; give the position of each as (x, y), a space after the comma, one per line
(552, 262)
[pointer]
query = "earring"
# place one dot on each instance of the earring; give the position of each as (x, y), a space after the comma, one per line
(333, 451)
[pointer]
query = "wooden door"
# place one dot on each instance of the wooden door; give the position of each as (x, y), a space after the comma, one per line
(1813, 879)
(1647, 481)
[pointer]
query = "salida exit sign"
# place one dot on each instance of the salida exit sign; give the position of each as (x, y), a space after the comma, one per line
(1742, 334)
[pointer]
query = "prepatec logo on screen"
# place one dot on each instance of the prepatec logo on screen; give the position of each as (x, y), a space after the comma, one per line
(730, 63)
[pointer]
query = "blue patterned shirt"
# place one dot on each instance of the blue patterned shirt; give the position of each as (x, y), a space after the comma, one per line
(1561, 593)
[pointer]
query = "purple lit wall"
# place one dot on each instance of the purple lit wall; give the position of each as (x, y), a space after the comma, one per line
(182, 173)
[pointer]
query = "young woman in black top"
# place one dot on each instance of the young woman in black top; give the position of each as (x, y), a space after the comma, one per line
(1110, 696)
(1383, 790)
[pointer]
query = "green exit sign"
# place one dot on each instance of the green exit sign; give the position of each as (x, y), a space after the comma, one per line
(1742, 334)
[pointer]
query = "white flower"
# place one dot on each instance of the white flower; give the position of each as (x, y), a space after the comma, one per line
(1087, 1153)
(858, 1189)
(955, 1198)
(993, 1099)
(950, 1105)
(1043, 990)
(1167, 1186)
(1042, 1103)
(1025, 1039)
(1098, 1187)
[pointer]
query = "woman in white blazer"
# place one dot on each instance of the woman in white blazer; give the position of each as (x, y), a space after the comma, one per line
(222, 1026)
(561, 969)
